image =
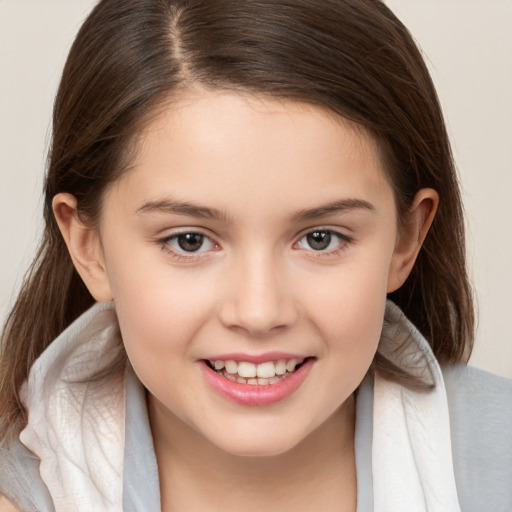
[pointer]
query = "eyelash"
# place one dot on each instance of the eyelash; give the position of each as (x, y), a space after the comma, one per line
(343, 242)
(192, 256)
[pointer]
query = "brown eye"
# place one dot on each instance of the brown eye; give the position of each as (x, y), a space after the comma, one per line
(323, 241)
(319, 240)
(190, 242)
(188, 245)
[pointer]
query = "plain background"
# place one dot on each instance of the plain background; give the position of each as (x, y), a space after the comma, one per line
(468, 47)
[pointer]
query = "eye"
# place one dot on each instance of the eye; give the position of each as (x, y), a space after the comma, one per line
(189, 243)
(322, 240)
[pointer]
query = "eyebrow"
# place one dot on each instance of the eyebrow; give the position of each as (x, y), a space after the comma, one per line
(340, 206)
(204, 212)
(182, 208)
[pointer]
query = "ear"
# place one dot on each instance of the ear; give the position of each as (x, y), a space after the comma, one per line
(411, 236)
(84, 246)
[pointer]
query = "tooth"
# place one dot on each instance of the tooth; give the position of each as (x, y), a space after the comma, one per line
(263, 382)
(230, 377)
(246, 369)
(252, 381)
(231, 366)
(281, 367)
(218, 365)
(241, 380)
(274, 380)
(266, 370)
(291, 364)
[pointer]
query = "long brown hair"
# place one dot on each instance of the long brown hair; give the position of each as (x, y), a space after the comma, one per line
(353, 57)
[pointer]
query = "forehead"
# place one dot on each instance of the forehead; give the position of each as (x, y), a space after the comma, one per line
(224, 147)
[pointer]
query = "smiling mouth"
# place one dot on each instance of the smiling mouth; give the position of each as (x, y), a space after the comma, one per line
(263, 374)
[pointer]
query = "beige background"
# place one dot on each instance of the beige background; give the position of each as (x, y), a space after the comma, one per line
(468, 44)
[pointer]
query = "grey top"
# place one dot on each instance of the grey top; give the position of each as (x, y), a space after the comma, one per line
(480, 407)
(481, 418)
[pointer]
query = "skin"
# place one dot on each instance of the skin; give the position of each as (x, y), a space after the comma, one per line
(255, 285)
(7, 506)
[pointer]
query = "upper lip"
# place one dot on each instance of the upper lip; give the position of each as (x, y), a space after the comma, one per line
(256, 358)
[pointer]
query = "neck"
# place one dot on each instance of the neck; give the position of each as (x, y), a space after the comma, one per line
(318, 473)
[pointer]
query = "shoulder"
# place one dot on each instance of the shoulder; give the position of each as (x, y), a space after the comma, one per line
(480, 405)
(479, 397)
(475, 388)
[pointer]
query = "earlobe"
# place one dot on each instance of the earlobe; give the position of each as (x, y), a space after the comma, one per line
(411, 236)
(84, 246)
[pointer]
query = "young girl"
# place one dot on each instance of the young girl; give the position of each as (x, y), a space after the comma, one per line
(251, 292)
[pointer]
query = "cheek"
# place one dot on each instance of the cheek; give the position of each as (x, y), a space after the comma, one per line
(159, 309)
(348, 312)
(158, 323)
(351, 296)
(352, 333)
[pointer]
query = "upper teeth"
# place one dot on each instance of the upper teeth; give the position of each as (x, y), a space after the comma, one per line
(264, 370)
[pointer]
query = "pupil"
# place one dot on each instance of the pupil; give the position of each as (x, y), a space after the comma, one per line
(319, 240)
(190, 242)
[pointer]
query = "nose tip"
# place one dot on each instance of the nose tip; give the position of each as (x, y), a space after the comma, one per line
(256, 326)
(257, 315)
(258, 303)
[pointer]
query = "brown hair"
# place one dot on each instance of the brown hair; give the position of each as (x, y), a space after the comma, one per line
(353, 57)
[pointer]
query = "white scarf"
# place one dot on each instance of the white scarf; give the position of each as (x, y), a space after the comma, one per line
(77, 428)
(412, 451)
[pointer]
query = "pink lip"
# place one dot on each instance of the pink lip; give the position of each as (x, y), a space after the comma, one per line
(247, 394)
(256, 359)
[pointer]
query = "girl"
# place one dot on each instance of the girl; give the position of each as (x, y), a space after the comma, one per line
(251, 290)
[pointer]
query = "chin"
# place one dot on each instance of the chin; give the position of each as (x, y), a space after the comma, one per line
(268, 445)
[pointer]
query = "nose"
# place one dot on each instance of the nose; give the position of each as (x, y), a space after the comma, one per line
(256, 297)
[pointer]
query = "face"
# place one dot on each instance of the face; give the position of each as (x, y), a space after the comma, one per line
(249, 252)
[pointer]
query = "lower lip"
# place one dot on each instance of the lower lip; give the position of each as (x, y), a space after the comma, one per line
(249, 394)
